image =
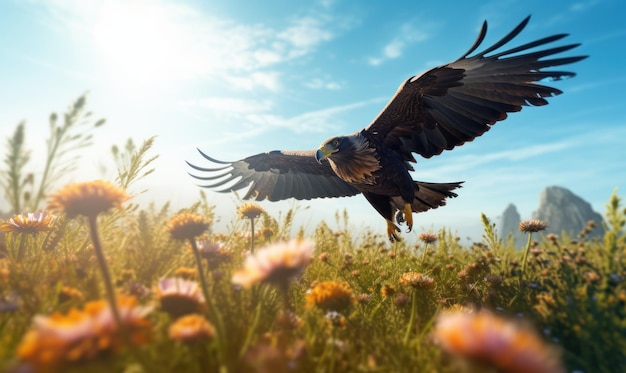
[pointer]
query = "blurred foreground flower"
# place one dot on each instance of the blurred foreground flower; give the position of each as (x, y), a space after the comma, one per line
(190, 329)
(179, 297)
(90, 199)
(87, 198)
(187, 226)
(80, 335)
(28, 223)
(503, 345)
(330, 296)
(276, 264)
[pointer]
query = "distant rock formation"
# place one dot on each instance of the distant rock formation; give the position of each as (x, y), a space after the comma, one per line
(509, 224)
(565, 211)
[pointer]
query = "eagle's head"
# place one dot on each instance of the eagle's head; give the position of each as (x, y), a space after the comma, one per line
(331, 146)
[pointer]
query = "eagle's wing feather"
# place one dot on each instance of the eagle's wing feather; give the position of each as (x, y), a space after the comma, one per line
(275, 176)
(457, 102)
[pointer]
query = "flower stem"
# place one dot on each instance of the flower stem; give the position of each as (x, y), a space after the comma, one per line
(213, 311)
(104, 268)
(21, 248)
(526, 251)
(412, 318)
(251, 235)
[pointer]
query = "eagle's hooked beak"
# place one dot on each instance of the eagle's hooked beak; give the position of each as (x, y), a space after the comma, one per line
(324, 152)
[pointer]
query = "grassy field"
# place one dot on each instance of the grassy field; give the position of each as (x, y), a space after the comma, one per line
(98, 283)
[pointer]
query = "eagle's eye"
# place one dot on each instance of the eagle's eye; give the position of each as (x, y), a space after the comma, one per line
(335, 142)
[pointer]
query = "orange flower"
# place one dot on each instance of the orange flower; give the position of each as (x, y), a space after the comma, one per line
(28, 223)
(81, 335)
(187, 225)
(504, 345)
(191, 328)
(276, 264)
(88, 198)
(330, 296)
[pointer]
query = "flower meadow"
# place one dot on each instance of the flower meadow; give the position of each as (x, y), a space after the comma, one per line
(90, 281)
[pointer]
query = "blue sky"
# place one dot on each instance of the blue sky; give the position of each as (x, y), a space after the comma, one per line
(236, 78)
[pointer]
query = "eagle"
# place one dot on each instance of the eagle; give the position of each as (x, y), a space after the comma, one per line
(434, 111)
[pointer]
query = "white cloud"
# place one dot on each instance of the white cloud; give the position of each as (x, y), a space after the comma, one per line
(405, 36)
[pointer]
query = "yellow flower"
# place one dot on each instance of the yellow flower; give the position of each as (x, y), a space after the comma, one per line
(191, 328)
(187, 225)
(28, 223)
(330, 296)
(532, 225)
(276, 264)
(88, 198)
(417, 280)
(80, 335)
(502, 344)
(250, 210)
(179, 297)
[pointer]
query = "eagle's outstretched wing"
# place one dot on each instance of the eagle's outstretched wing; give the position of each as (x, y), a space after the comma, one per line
(451, 104)
(275, 176)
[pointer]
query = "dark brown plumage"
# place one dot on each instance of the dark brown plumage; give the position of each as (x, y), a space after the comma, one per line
(435, 111)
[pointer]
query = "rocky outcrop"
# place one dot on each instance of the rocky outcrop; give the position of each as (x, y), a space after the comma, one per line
(565, 211)
(509, 224)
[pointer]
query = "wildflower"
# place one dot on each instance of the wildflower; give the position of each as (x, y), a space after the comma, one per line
(81, 335)
(417, 280)
(28, 223)
(532, 225)
(250, 211)
(68, 292)
(504, 345)
(364, 298)
(428, 237)
(276, 264)
(387, 291)
(87, 198)
(187, 226)
(191, 328)
(179, 297)
(330, 296)
(324, 257)
(401, 300)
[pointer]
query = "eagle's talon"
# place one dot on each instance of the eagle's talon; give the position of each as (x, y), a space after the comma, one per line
(391, 231)
(408, 217)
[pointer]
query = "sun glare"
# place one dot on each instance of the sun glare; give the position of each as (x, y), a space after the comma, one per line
(142, 43)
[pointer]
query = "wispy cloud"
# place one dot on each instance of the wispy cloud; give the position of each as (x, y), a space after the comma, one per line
(253, 118)
(405, 36)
